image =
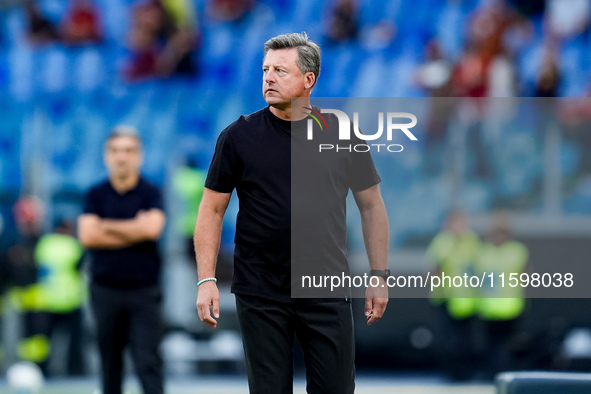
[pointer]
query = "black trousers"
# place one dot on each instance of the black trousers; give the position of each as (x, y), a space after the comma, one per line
(70, 323)
(497, 355)
(324, 331)
(129, 316)
(458, 357)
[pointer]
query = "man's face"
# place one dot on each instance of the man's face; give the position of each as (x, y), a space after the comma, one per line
(123, 156)
(282, 78)
(457, 224)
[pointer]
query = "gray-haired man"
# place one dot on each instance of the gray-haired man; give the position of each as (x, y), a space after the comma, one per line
(253, 156)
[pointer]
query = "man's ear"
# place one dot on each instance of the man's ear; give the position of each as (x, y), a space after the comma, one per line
(310, 79)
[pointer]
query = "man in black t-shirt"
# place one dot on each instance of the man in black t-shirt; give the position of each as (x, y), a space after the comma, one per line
(122, 220)
(253, 156)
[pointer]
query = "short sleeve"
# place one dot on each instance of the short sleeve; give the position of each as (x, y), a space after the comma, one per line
(154, 199)
(225, 170)
(362, 171)
(91, 202)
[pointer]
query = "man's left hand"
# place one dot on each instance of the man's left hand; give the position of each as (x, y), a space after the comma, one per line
(376, 299)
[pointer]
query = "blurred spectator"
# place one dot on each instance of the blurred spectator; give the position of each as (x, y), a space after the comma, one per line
(144, 54)
(151, 27)
(499, 307)
(484, 68)
(476, 75)
(188, 182)
(470, 75)
(175, 57)
(151, 16)
(28, 214)
(501, 78)
(548, 79)
(81, 24)
(342, 25)
(528, 8)
(487, 27)
(162, 38)
(434, 75)
(24, 294)
(59, 256)
(39, 29)
(229, 10)
(453, 252)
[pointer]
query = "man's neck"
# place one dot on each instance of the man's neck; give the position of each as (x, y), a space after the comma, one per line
(286, 113)
(125, 183)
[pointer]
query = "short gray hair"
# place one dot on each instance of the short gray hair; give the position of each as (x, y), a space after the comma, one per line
(124, 131)
(308, 51)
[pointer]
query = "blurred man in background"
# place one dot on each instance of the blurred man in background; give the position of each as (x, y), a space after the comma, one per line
(81, 24)
(25, 294)
(122, 220)
(59, 256)
(500, 307)
(40, 30)
(453, 251)
(188, 181)
(253, 156)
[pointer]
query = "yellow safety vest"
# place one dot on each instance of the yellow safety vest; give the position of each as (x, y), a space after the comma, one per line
(60, 282)
(189, 184)
(455, 256)
(501, 302)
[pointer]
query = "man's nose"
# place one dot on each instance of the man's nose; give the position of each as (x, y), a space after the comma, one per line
(270, 76)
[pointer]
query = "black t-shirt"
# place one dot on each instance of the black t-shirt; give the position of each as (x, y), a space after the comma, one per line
(254, 156)
(133, 266)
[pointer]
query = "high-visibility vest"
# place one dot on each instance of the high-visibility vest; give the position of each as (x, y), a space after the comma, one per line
(181, 11)
(501, 302)
(61, 284)
(455, 255)
(189, 183)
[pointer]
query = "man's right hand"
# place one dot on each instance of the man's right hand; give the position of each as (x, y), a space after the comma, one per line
(208, 302)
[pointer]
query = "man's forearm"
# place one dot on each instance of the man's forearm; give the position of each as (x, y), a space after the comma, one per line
(146, 226)
(128, 230)
(93, 236)
(104, 240)
(207, 237)
(374, 221)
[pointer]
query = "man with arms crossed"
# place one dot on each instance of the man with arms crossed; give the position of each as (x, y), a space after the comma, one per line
(253, 156)
(122, 220)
